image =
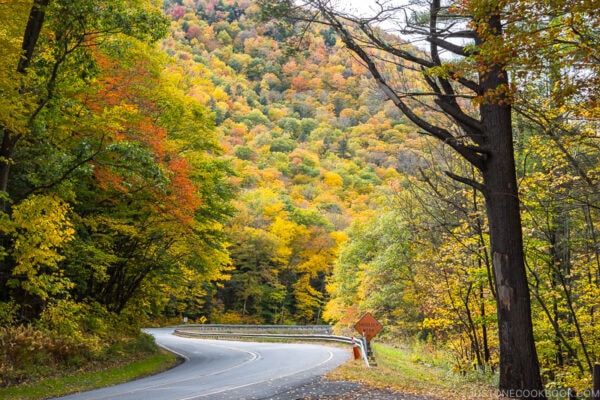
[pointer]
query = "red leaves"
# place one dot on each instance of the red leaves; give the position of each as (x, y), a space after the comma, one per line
(299, 84)
(124, 94)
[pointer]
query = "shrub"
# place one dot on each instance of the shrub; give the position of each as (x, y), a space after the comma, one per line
(23, 353)
(67, 337)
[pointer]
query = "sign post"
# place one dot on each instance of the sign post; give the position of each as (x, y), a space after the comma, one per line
(368, 327)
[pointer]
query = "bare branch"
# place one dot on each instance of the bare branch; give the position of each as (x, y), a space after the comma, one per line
(467, 181)
(454, 48)
(474, 157)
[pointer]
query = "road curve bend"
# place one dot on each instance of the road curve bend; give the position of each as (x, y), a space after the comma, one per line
(226, 370)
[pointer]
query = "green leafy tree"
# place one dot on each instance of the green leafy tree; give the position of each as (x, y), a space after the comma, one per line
(48, 69)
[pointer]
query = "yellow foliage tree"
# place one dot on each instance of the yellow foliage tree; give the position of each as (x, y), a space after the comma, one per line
(40, 228)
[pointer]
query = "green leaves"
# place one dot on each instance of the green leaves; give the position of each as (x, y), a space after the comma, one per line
(112, 166)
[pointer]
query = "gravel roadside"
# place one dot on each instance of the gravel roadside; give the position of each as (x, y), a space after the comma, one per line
(321, 389)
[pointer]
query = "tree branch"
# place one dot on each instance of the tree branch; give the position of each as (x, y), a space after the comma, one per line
(442, 134)
(454, 48)
(467, 181)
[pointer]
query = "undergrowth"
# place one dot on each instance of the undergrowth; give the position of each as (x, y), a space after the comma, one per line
(29, 354)
(418, 370)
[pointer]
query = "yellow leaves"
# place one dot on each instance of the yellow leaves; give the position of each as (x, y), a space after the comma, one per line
(275, 113)
(317, 262)
(437, 323)
(41, 228)
(220, 95)
(271, 178)
(14, 18)
(13, 105)
(41, 224)
(273, 209)
(308, 299)
(339, 237)
(333, 180)
(222, 106)
(287, 231)
(115, 118)
(335, 309)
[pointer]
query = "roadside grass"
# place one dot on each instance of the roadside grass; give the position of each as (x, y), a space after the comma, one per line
(417, 372)
(413, 370)
(63, 385)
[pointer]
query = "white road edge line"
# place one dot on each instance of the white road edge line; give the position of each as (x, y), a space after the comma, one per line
(254, 357)
(257, 382)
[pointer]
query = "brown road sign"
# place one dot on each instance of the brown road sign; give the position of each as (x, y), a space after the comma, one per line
(368, 326)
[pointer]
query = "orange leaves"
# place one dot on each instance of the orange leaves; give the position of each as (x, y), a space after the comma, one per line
(122, 82)
(184, 200)
(299, 83)
(127, 95)
(108, 180)
(146, 131)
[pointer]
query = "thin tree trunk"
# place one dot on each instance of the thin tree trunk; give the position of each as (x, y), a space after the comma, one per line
(473, 329)
(6, 149)
(484, 333)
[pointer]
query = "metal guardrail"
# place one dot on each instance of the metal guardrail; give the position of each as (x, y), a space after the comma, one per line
(262, 332)
(303, 329)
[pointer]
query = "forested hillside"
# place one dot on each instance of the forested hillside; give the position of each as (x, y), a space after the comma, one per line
(186, 158)
(312, 142)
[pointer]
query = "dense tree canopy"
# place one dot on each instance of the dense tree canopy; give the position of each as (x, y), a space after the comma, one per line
(110, 174)
(195, 161)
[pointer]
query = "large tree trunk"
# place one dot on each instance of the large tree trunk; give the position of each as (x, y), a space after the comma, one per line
(31, 35)
(519, 369)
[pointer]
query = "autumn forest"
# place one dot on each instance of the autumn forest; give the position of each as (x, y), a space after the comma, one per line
(214, 160)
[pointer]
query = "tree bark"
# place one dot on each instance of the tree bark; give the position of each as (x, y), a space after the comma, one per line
(519, 368)
(31, 35)
(6, 148)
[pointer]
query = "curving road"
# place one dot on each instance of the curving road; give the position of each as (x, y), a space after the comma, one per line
(226, 370)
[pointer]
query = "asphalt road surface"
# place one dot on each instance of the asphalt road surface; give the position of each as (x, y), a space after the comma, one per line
(224, 370)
